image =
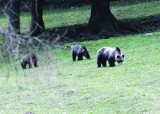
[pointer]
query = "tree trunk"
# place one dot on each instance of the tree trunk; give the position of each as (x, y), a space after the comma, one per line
(14, 17)
(37, 25)
(101, 19)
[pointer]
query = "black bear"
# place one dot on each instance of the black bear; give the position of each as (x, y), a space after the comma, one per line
(80, 51)
(110, 54)
(29, 59)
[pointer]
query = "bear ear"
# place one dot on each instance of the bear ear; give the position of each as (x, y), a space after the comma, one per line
(123, 56)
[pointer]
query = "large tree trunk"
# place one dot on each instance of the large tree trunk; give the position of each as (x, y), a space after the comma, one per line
(37, 25)
(14, 17)
(101, 19)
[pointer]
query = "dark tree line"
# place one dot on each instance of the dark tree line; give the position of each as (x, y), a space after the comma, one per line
(101, 19)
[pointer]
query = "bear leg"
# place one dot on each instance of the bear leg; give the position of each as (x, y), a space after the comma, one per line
(23, 65)
(80, 57)
(111, 63)
(104, 63)
(73, 56)
(30, 65)
(35, 64)
(99, 62)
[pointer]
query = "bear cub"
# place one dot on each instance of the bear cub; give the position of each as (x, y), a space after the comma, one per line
(110, 54)
(80, 51)
(29, 59)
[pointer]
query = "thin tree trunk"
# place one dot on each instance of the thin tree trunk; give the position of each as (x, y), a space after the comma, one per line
(101, 19)
(37, 25)
(14, 17)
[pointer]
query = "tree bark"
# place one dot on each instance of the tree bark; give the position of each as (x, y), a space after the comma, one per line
(37, 25)
(101, 19)
(14, 17)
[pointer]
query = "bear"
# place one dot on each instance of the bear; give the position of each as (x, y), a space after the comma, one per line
(80, 51)
(29, 59)
(110, 54)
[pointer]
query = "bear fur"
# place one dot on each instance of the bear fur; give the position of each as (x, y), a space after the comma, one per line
(29, 59)
(110, 54)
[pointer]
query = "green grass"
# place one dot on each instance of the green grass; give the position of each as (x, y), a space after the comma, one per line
(61, 86)
(136, 11)
(81, 87)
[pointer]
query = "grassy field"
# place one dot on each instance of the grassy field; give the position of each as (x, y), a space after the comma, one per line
(81, 87)
(60, 86)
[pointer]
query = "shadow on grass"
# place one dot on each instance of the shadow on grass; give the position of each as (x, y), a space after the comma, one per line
(78, 32)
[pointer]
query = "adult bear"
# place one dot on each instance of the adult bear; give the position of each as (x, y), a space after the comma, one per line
(29, 59)
(110, 54)
(80, 51)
